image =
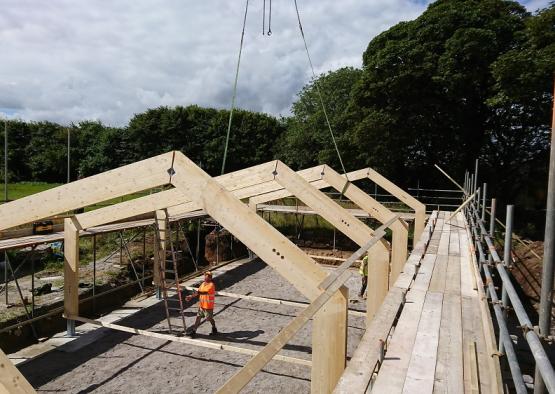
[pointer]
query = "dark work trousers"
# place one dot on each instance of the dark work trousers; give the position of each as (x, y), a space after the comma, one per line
(363, 285)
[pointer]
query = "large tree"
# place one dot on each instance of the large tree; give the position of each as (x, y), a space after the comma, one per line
(307, 140)
(423, 95)
(200, 133)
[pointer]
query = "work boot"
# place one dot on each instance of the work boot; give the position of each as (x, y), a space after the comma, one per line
(214, 331)
(191, 334)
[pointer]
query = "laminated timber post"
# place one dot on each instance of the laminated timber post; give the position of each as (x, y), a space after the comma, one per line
(71, 271)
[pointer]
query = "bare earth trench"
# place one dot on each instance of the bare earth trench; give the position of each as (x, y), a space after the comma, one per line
(118, 362)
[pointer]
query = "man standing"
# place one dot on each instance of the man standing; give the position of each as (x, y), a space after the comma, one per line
(207, 295)
(363, 271)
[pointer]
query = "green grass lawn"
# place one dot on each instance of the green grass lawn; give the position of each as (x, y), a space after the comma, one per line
(23, 189)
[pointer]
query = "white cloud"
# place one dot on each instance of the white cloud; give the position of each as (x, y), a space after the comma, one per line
(69, 60)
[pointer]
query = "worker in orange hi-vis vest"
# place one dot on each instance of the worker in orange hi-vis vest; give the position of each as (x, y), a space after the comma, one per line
(207, 295)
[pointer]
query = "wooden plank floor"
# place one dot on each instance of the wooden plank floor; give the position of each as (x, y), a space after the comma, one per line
(438, 344)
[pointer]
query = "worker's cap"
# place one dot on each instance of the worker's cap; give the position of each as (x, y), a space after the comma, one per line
(208, 273)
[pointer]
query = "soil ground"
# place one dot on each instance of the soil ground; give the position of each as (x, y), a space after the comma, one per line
(528, 273)
(108, 271)
(119, 362)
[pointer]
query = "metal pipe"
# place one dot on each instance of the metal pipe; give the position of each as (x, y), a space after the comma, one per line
(484, 200)
(120, 248)
(6, 275)
(476, 175)
(492, 223)
(504, 336)
(94, 271)
(466, 182)
(507, 253)
(32, 287)
(5, 160)
(544, 368)
(68, 154)
(476, 201)
(448, 177)
(548, 270)
(139, 281)
(21, 297)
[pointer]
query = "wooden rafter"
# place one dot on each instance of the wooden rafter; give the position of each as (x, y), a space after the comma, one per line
(396, 191)
(119, 182)
(324, 176)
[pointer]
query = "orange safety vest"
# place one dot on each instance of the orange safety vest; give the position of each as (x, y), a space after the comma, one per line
(207, 295)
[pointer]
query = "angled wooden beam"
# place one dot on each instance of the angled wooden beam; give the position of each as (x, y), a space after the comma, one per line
(121, 181)
(11, 380)
(282, 255)
(396, 191)
(399, 228)
(71, 266)
(130, 208)
(323, 205)
(339, 217)
(330, 285)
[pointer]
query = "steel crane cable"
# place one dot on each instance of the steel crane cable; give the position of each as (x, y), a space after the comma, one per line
(234, 89)
(320, 94)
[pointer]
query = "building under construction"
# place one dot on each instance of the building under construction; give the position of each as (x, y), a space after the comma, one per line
(434, 318)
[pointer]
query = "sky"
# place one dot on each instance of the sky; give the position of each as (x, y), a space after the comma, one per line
(72, 60)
